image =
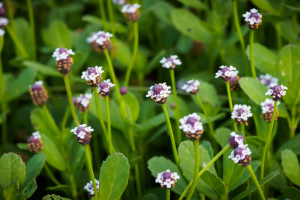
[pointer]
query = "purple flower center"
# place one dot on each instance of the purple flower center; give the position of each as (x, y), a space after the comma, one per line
(191, 121)
(33, 140)
(238, 151)
(79, 129)
(166, 175)
(157, 88)
(240, 111)
(255, 15)
(225, 69)
(233, 79)
(277, 89)
(102, 36)
(123, 90)
(63, 50)
(75, 100)
(271, 107)
(191, 84)
(36, 87)
(170, 60)
(91, 70)
(104, 85)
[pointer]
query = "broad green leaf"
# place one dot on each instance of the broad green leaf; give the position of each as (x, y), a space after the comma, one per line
(235, 38)
(292, 144)
(150, 196)
(265, 63)
(147, 111)
(11, 192)
(124, 53)
(212, 118)
(54, 157)
(280, 181)
(190, 25)
(12, 171)
(28, 191)
(194, 4)
(215, 182)
(287, 30)
(291, 166)
(23, 34)
(114, 175)
(255, 140)
(155, 61)
(187, 163)
(292, 96)
(253, 187)
(44, 69)
(132, 105)
(33, 168)
(54, 197)
(160, 164)
(207, 146)
(20, 85)
(222, 135)
(156, 121)
(292, 193)
(264, 5)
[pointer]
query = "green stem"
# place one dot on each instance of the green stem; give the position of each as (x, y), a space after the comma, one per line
(65, 119)
(4, 126)
(168, 194)
(211, 130)
(239, 32)
(50, 118)
(251, 53)
(196, 169)
(243, 130)
(171, 134)
(10, 15)
(85, 118)
(278, 34)
(103, 16)
(16, 40)
(138, 180)
(230, 104)
(267, 143)
(52, 177)
(249, 168)
(69, 93)
(108, 125)
(90, 169)
(112, 26)
(135, 49)
(177, 113)
(32, 30)
(205, 168)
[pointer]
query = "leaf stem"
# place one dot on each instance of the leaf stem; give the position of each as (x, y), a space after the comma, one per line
(205, 168)
(249, 168)
(112, 27)
(171, 134)
(50, 118)
(243, 130)
(32, 30)
(251, 53)
(108, 125)
(103, 16)
(211, 130)
(196, 169)
(10, 15)
(52, 177)
(230, 104)
(16, 40)
(177, 113)
(168, 194)
(85, 118)
(65, 118)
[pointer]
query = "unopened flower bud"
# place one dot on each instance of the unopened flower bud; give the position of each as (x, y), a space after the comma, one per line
(267, 110)
(92, 75)
(104, 88)
(35, 144)
(226, 73)
(171, 62)
(241, 113)
(123, 90)
(166, 179)
(267, 80)
(191, 126)
(253, 19)
(277, 91)
(241, 155)
(83, 102)
(75, 101)
(234, 83)
(90, 189)
(159, 93)
(38, 93)
(192, 86)
(173, 105)
(100, 41)
(83, 134)
(2, 10)
(131, 12)
(63, 60)
(235, 140)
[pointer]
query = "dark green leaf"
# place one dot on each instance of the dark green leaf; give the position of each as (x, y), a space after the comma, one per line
(292, 192)
(132, 106)
(59, 188)
(28, 191)
(212, 118)
(280, 181)
(291, 166)
(235, 38)
(292, 144)
(156, 121)
(155, 61)
(150, 196)
(222, 135)
(292, 96)
(54, 197)
(207, 93)
(44, 69)
(183, 107)
(97, 21)
(23, 34)
(11, 192)
(194, 4)
(287, 29)
(215, 182)
(255, 140)
(264, 5)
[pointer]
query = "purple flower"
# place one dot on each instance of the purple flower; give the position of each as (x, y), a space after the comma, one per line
(35, 143)
(241, 113)
(90, 189)
(123, 90)
(83, 134)
(63, 60)
(131, 12)
(192, 86)
(191, 126)
(159, 93)
(2, 10)
(92, 75)
(171, 62)
(241, 155)
(167, 179)
(277, 91)
(253, 18)
(38, 93)
(104, 88)
(235, 140)
(119, 2)
(267, 110)
(267, 80)
(234, 83)
(3, 22)
(226, 73)
(82, 102)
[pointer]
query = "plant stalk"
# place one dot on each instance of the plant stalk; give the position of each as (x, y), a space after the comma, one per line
(108, 126)
(230, 103)
(112, 26)
(32, 29)
(52, 177)
(249, 168)
(278, 34)
(211, 130)
(90, 169)
(10, 15)
(85, 117)
(251, 53)
(168, 194)
(16, 40)
(243, 130)
(103, 16)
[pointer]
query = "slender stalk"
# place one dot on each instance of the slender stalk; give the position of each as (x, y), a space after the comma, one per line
(135, 49)
(249, 168)
(239, 32)
(16, 40)
(177, 113)
(103, 16)
(168, 194)
(112, 26)
(196, 170)
(32, 30)
(10, 15)
(50, 118)
(85, 118)
(268, 143)
(52, 177)
(65, 119)
(205, 168)
(230, 104)
(251, 53)
(69, 93)
(279, 39)
(243, 130)
(4, 126)
(90, 169)
(108, 126)
(211, 130)
(171, 134)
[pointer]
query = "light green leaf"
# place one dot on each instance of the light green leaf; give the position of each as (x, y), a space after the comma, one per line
(264, 5)
(291, 166)
(287, 30)
(97, 21)
(156, 121)
(194, 4)
(215, 182)
(44, 69)
(292, 193)
(54, 197)
(132, 105)
(292, 96)
(235, 38)
(183, 108)
(114, 175)
(212, 118)
(23, 34)
(23, 146)
(155, 61)
(255, 140)
(292, 144)
(280, 181)
(11, 192)
(222, 135)
(124, 53)
(207, 93)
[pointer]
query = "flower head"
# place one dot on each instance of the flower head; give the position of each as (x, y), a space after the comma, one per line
(90, 189)
(241, 155)
(2, 9)
(171, 62)
(131, 12)
(267, 110)
(226, 72)
(62, 53)
(119, 2)
(63, 60)
(123, 90)
(235, 140)
(104, 88)
(83, 133)
(234, 83)
(38, 93)
(253, 19)
(92, 75)
(159, 92)
(241, 113)
(99, 41)
(277, 91)
(267, 80)
(191, 126)
(35, 142)
(192, 86)
(82, 102)
(166, 179)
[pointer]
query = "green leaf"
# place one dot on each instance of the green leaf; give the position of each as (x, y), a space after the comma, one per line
(215, 182)
(12, 170)
(207, 93)
(292, 193)
(280, 181)
(255, 140)
(292, 144)
(194, 4)
(124, 53)
(190, 25)
(114, 175)
(28, 191)
(11, 192)
(20, 85)
(235, 38)
(97, 21)
(287, 30)
(253, 187)
(23, 146)
(23, 34)
(54, 197)
(291, 166)
(44, 69)
(160, 164)
(212, 118)
(183, 107)
(59, 188)
(132, 105)
(33, 168)
(264, 5)
(150, 196)
(222, 135)
(156, 121)
(155, 61)
(54, 157)
(292, 96)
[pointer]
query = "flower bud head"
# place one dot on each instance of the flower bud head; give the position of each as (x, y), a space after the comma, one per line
(104, 88)
(35, 143)
(83, 134)
(171, 62)
(93, 76)
(63, 60)
(267, 110)
(253, 19)
(173, 105)
(3, 22)
(241, 113)
(277, 91)
(192, 86)
(241, 155)
(100, 40)
(38, 93)
(123, 90)
(131, 12)
(191, 126)
(235, 140)
(234, 83)
(267, 80)
(226, 73)
(90, 189)
(2, 10)
(167, 179)
(159, 93)
(120, 2)
(83, 102)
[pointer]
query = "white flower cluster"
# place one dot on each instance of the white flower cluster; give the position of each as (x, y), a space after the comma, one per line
(279, 94)
(119, 2)
(229, 72)
(169, 62)
(253, 16)
(61, 56)
(128, 8)
(241, 112)
(268, 105)
(163, 93)
(40, 83)
(89, 187)
(82, 133)
(36, 135)
(268, 80)
(92, 76)
(3, 22)
(84, 100)
(105, 89)
(187, 127)
(166, 182)
(237, 156)
(191, 85)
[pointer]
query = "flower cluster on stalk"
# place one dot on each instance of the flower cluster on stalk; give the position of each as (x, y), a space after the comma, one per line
(192, 86)
(83, 133)
(166, 179)
(253, 18)
(38, 93)
(3, 21)
(82, 102)
(93, 76)
(35, 143)
(90, 188)
(159, 93)
(104, 87)
(171, 62)
(226, 73)
(99, 41)
(191, 126)
(241, 113)
(119, 2)
(63, 60)
(277, 91)
(267, 110)
(267, 80)
(131, 12)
